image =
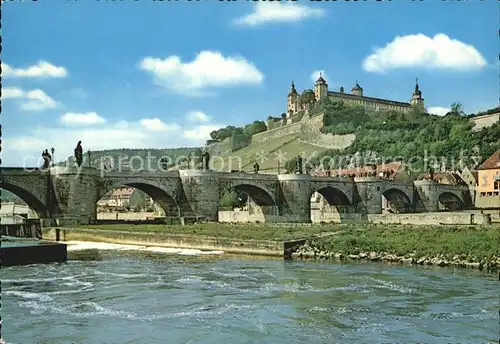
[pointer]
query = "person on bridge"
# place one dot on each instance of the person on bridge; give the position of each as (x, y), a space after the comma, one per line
(79, 154)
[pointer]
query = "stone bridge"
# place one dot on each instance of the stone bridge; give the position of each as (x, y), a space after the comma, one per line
(69, 192)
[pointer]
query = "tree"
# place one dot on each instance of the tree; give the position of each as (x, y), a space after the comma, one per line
(233, 199)
(457, 109)
(254, 128)
(307, 97)
(141, 204)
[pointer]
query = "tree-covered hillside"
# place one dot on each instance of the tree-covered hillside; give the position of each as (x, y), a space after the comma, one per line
(412, 137)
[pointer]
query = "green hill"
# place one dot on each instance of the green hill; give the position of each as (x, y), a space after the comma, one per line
(374, 137)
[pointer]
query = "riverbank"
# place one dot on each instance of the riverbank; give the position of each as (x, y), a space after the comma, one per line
(459, 246)
(442, 245)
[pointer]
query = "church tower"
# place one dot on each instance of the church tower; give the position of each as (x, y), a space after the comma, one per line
(320, 88)
(293, 98)
(416, 99)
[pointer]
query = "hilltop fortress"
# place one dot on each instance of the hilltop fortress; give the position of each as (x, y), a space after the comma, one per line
(308, 98)
(297, 118)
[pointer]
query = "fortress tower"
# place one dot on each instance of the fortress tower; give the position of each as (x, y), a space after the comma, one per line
(357, 90)
(320, 88)
(293, 101)
(416, 99)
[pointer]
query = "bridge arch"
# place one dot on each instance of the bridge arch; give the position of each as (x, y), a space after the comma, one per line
(333, 196)
(255, 202)
(450, 201)
(27, 197)
(329, 204)
(261, 195)
(395, 200)
(158, 193)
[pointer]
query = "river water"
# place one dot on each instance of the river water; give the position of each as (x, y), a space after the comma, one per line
(179, 296)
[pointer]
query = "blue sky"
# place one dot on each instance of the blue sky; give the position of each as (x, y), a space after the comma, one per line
(163, 74)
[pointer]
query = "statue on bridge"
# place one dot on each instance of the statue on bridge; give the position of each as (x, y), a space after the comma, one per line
(256, 167)
(205, 158)
(79, 153)
(46, 159)
(299, 169)
(431, 173)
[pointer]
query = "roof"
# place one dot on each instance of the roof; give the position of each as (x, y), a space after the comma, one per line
(389, 168)
(357, 87)
(321, 80)
(367, 99)
(444, 178)
(122, 193)
(493, 162)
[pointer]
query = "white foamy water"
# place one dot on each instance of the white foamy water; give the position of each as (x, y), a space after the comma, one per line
(87, 245)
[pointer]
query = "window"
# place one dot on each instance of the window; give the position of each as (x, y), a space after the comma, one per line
(496, 185)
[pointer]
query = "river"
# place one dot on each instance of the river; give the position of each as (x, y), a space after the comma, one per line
(123, 297)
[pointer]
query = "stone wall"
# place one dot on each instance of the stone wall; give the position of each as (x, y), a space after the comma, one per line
(448, 218)
(276, 133)
(487, 201)
(126, 216)
(332, 216)
(485, 121)
(246, 217)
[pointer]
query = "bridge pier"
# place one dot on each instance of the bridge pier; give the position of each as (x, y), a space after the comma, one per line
(427, 199)
(369, 197)
(295, 197)
(76, 193)
(202, 192)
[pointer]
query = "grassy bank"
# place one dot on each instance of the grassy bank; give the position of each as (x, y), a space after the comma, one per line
(475, 246)
(422, 240)
(438, 245)
(237, 231)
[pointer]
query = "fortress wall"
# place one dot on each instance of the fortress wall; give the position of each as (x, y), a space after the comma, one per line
(220, 148)
(311, 126)
(311, 134)
(485, 121)
(276, 133)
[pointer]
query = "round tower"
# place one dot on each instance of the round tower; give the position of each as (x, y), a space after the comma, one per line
(357, 90)
(293, 97)
(320, 88)
(416, 98)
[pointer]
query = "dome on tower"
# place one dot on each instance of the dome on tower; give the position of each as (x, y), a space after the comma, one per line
(417, 91)
(321, 80)
(357, 87)
(292, 89)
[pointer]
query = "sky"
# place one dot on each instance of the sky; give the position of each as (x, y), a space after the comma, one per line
(148, 74)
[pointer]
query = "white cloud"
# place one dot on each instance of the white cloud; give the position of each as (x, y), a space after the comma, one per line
(438, 110)
(156, 124)
(85, 118)
(208, 69)
(121, 134)
(421, 51)
(316, 74)
(34, 100)
(198, 116)
(42, 69)
(269, 12)
(201, 132)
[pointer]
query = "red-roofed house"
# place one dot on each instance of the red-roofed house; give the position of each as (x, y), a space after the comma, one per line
(488, 182)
